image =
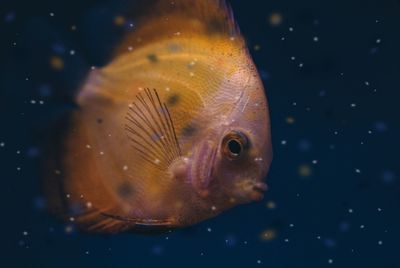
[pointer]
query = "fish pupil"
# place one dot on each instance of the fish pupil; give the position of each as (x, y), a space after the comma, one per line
(234, 147)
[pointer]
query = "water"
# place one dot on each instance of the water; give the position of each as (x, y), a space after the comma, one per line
(332, 77)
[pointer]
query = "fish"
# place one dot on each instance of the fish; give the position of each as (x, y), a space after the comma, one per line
(172, 131)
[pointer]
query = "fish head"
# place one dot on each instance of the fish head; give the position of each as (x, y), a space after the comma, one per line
(231, 158)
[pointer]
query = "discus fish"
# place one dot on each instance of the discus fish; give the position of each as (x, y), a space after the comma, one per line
(172, 131)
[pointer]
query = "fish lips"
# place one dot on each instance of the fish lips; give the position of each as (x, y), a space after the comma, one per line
(258, 189)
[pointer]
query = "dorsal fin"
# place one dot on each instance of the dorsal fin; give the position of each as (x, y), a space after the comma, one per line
(159, 19)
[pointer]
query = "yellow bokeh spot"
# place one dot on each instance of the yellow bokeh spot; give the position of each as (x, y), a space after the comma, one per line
(119, 20)
(304, 170)
(56, 63)
(271, 205)
(275, 19)
(268, 234)
(257, 47)
(290, 120)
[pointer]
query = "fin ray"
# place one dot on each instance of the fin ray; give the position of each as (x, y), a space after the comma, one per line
(150, 128)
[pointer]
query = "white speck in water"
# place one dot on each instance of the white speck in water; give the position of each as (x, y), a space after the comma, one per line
(350, 210)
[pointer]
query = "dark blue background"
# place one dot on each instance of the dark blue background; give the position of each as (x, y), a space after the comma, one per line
(334, 110)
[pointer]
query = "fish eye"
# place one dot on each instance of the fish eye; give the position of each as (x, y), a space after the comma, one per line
(234, 144)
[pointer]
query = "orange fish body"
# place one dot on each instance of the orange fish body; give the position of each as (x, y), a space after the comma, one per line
(174, 130)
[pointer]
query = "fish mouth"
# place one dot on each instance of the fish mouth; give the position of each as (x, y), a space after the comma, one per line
(250, 190)
(258, 189)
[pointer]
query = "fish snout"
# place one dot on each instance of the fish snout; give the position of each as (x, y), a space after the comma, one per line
(258, 190)
(250, 190)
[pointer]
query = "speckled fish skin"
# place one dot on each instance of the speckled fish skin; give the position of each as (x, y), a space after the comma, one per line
(149, 144)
